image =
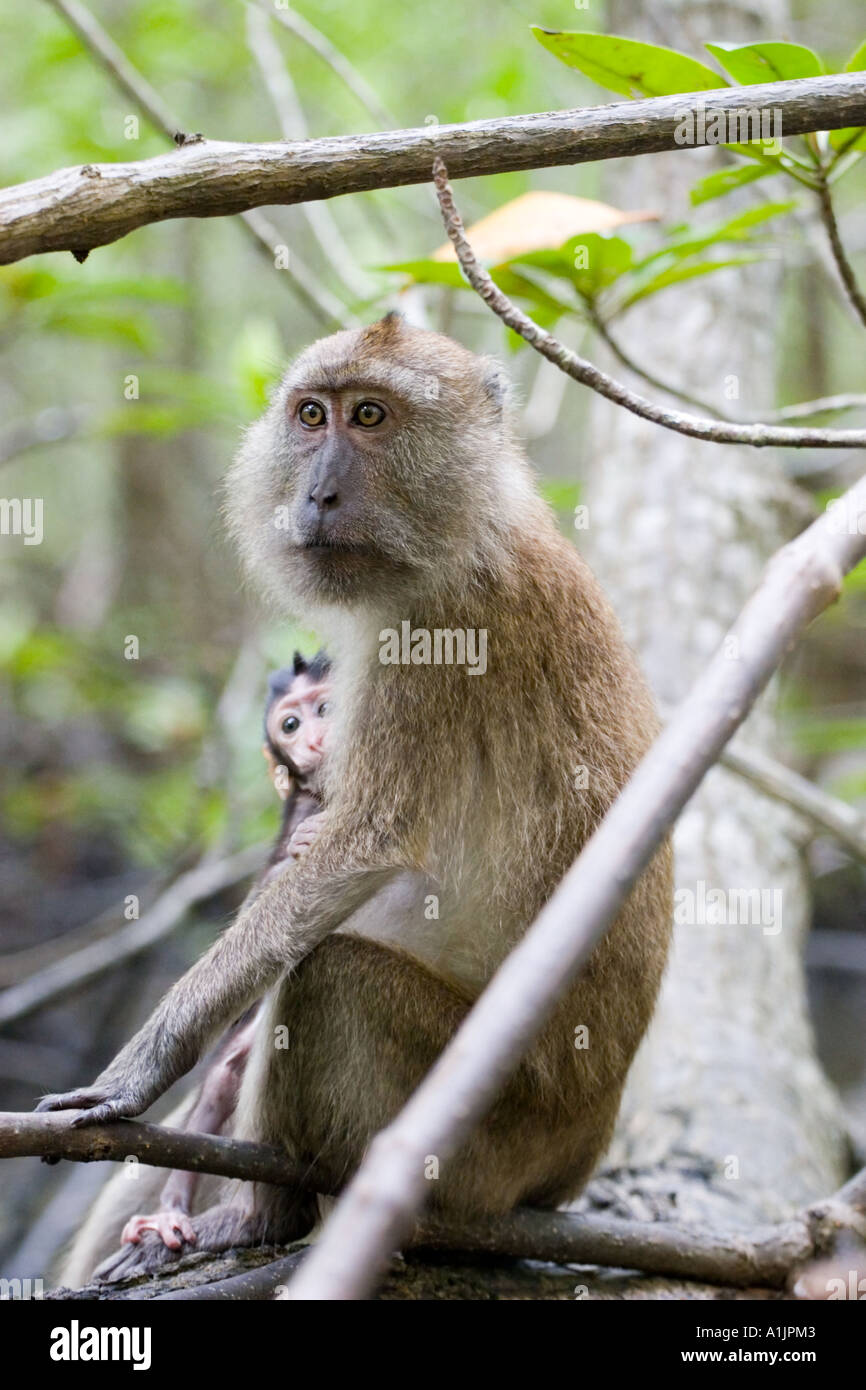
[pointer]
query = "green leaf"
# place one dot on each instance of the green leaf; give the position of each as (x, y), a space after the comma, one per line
(767, 62)
(857, 61)
(590, 262)
(852, 137)
(627, 66)
(687, 241)
(675, 274)
(562, 494)
(726, 181)
(429, 272)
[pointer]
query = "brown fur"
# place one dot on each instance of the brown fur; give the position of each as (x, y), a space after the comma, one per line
(438, 782)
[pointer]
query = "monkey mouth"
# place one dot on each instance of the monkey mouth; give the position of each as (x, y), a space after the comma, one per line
(321, 544)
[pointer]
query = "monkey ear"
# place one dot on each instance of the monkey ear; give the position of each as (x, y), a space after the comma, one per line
(495, 381)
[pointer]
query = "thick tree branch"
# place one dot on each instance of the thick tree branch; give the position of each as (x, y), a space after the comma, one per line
(51, 1136)
(577, 367)
(765, 1256)
(378, 1207)
(78, 209)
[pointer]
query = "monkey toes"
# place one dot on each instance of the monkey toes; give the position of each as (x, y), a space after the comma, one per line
(172, 1226)
(148, 1256)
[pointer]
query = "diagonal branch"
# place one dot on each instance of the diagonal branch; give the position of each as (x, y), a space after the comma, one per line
(718, 431)
(827, 813)
(378, 1208)
(80, 967)
(330, 54)
(78, 209)
(318, 300)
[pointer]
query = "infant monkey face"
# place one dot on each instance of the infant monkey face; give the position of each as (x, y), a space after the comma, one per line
(298, 724)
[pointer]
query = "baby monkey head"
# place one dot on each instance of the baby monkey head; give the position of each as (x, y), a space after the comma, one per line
(378, 462)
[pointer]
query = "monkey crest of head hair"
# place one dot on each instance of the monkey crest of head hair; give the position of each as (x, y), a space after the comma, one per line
(434, 493)
(281, 681)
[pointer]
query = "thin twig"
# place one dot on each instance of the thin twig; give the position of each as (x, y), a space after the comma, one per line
(378, 1208)
(718, 431)
(657, 384)
(336, 61)
(169, 910)
(823, 405)
(843, 265)
(319, 301)
(284, 98)
(828, 813)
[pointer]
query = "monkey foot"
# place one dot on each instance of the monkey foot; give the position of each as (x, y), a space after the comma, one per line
(215, 1230)
(173, 1227)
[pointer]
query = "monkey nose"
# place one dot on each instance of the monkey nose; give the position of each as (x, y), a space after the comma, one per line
(324, 496)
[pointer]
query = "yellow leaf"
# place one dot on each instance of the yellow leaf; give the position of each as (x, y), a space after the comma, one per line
(539, 222)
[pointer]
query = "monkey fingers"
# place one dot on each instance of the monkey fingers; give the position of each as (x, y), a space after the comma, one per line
(172, 1225)
(97, 1106)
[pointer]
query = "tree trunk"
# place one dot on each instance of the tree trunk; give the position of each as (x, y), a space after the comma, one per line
(728, 1117)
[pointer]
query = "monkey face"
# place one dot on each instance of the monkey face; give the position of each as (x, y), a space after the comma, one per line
(365, 475)
(296, 726)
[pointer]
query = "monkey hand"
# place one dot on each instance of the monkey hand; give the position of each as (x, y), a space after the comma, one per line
(138, 1076)
(172, 1225)
(104, 1101)
(306, 834)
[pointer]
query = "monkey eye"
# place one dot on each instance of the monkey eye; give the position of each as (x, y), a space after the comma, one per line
(311, 413)
(368, 414)
(323, 709)
(290, 724)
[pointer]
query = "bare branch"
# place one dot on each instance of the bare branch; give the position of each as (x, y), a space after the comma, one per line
(824, 404)
(828, 813)
(95, 959)
(843, 265)
(52, 1136)
(655, 382)
(284, 97)
(117, 65)
(765, 1256)
(718, 431)
(319, 301)
(78, 209)
(378, 1207)
(337, 62)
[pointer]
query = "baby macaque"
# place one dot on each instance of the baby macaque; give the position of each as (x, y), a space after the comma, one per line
(294, 726)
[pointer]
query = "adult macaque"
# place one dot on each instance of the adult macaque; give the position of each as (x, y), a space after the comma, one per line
(384, 485)
(295, 728)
